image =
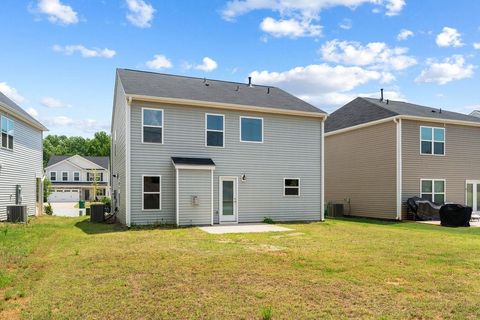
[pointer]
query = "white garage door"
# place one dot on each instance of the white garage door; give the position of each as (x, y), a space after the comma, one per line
(64, 195)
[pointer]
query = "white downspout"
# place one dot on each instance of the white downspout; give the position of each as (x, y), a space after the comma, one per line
(322, 171)
(177, 197)
(399, 178)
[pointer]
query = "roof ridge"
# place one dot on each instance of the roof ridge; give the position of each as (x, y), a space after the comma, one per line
(378, 105)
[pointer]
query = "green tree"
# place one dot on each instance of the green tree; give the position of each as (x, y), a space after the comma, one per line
(47, 189)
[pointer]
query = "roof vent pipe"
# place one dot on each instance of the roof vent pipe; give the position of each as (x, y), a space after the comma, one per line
(381, 95)
(249, 81)
(268, 90)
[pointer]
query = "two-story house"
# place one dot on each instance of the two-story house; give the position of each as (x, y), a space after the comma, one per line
(192, 151)
(21, 150)
(381, 152)
(77, 178)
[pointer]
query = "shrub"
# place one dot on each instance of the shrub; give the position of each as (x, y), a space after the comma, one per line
(48, 209)
(267, 313)
(268, 220)
(107, 201)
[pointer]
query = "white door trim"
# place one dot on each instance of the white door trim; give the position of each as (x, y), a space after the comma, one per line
(475, 184)
(235, 198)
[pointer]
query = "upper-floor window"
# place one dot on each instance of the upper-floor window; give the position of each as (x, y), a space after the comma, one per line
(6, 126)
(64, 176)
(152, 123)
(98, 176)
(433, 190)
(76, 176)
(53, 176)
(432, 140)
(214, 130)
(251, 129)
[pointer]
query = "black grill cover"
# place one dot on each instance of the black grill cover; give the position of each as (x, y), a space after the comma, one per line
(424, 210)
(455, 215)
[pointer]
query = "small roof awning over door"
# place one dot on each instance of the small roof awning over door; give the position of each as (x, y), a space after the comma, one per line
(193, 163)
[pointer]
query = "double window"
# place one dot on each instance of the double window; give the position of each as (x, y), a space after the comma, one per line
(97, 176)
(6, 126)
(214, 130)
(152, 123)
(64, 176)
(291, 187)
(432, 140)
(433, 190)
(251, 129)
(152, 192)
(53, 176)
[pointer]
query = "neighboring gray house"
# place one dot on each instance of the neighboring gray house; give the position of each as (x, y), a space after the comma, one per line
(21, 152)
(380, 152)
(191, 151)
(73, 178)
(475, 113)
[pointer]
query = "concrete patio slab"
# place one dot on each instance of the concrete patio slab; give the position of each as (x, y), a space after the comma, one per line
(65, 209)
(244, 228)
(473, 224)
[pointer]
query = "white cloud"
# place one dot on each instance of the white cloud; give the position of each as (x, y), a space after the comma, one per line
(207, 65)
(33, 112)
(58, 121)
(394, 7)
(451, 68)
(158, 62)
(404, 34)
(476, 45)
(140, 14)
(53, 103)
(375, 54)
(11, 92)
(449, 37)
(82, 125)
(290, 28)
(321, 84)
(346, 24)
(85, 52)
(57, 12)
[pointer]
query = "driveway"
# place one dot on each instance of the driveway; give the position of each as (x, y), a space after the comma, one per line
(65, 209)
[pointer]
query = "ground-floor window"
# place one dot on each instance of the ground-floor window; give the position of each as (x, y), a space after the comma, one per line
(433, 190)
(291, 187)
(152, 192)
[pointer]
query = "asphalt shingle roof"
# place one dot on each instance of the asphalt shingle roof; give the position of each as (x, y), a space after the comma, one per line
(364, 110)
(190, 88)
(19, 112)
(101, 161)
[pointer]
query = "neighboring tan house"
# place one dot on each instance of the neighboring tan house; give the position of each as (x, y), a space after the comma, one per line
(75, 177)
(192, 151)
(21, 150)
(380, 153)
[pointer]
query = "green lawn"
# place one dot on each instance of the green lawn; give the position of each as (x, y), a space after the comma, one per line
(69, 268)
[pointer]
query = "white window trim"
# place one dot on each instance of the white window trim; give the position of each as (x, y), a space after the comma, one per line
(79, 177)
(433, 188)
(159, 192)
(1, 135)
(68, 176)
(162, 126)
(285, 187)
(56, 176)
(240, 127)
(213, 130)
(433, 141)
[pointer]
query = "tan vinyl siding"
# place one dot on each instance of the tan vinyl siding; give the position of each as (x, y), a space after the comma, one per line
(20, 166)
(361, 165)
(291, 148)
(461, 161)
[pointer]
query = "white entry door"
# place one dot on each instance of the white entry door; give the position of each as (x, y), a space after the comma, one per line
(228, 211)
(473, 195)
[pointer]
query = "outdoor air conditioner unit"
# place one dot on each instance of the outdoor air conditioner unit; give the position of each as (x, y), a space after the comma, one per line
(17, 213)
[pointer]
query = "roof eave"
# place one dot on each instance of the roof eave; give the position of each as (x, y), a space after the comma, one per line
(221, 105)
(36, 124)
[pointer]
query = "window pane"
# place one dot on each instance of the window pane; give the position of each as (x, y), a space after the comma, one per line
(4, 140)
(214, 139)
(439, 134)
(291, 182)
(4, 124)
(426, 147)
(426, 133)
(53, 176)
(251, 130)
(427, 197)
(438, 147)
(10, 142)
(470, 195)
(439, 186)
(151, 201)
(10, 127)
(291, 191)
(152, 117)
(478, 197)
(427, 186)
(439, 198)
(227, 198)
(151, 184)
(152, 134)
(214, 122)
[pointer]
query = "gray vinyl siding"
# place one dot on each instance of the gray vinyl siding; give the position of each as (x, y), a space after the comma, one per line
(291, 148)
(118, 152)
(360, 165)
(195, 183)
(461, 161)
(22, 166)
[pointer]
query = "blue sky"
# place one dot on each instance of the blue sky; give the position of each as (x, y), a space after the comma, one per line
(58, 57)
